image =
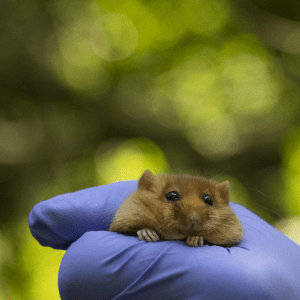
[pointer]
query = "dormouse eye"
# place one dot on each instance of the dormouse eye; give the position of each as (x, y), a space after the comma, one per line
(207, 199)
(172, 196)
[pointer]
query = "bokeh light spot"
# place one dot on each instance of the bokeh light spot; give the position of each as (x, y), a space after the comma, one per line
(118, 160)
(291, 228)
(19, 141)
(291, 172)
(194, 87)
(205, 17)
(215, 138)
(75, 62)
(114, 37)
(248, 85)
(42, 263)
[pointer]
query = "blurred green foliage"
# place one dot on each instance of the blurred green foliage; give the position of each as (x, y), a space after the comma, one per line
(92, 92)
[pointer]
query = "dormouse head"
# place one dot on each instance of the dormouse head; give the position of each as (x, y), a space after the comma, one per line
(189, 203)
(185, 187)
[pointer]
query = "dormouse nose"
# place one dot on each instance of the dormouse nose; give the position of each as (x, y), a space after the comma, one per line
(193, 218)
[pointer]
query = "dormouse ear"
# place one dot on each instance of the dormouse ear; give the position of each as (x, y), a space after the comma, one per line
(223, 188)
(147, 180)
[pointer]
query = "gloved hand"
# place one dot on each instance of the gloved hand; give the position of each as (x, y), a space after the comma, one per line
(99, 264)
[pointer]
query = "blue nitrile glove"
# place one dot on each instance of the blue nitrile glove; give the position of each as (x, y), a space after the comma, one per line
(99, 264)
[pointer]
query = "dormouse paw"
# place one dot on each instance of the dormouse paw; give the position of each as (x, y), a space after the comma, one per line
(194, 241)
(148, 234)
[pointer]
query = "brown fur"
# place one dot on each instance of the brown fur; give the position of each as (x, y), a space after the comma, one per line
(148, 207)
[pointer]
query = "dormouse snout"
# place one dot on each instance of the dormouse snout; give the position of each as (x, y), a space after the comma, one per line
(193, 218)
(193, 221)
